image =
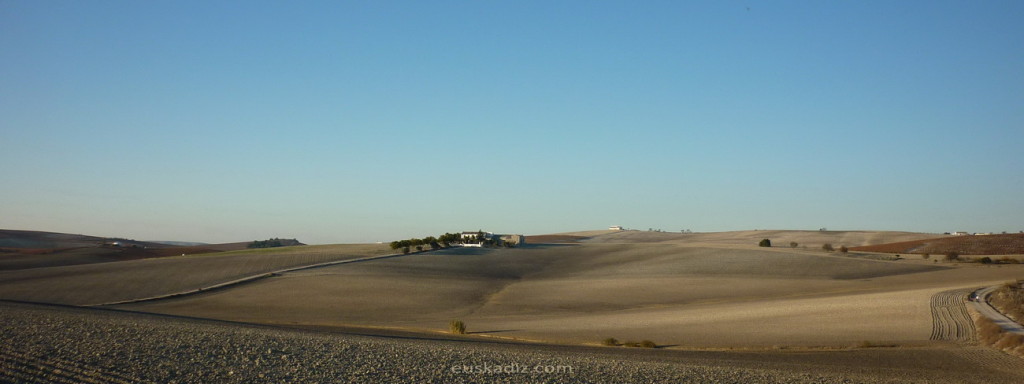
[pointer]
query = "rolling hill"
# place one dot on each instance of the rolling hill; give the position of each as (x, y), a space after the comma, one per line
(35, 249)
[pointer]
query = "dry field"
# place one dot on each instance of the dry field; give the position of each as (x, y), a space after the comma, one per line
(721, 309)
(48, 344)
(1004, 244)
(681, 290)
(90, 284)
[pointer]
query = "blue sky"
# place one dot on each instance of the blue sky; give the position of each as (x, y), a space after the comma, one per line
(367, 121)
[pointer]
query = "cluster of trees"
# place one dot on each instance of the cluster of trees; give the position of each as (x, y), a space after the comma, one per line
(444, 241)
(275, 242)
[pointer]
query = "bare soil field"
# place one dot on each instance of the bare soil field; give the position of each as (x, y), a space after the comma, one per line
(633, 285)
(48, 344)
(19, 258)
(812, 240)
(35, 249)
(1003, 244)
(89, 284)
(720, 309)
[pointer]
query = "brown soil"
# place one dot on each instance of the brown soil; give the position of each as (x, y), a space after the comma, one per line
(1006, 244)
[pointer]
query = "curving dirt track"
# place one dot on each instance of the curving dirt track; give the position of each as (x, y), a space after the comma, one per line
(950, 320)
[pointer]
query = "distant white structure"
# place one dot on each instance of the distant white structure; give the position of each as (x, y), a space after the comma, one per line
(615, 228)
(958, 233)
(476, 236)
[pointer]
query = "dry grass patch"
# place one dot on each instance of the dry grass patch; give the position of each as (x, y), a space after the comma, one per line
(457, 327)
(1009, 299)
(992, 334)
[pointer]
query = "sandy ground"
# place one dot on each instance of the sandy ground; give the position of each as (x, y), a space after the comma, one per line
(663, 287)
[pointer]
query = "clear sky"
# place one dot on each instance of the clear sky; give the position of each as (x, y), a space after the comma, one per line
(362, 121)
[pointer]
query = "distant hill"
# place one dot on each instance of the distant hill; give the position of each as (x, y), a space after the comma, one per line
(36, 249)
(178, 243)
(1003, 244)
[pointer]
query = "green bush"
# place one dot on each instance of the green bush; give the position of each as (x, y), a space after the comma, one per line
(765, 243)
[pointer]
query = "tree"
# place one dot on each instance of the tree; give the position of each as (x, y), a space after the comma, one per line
(827, 247)
(765, 243)
(432, 242)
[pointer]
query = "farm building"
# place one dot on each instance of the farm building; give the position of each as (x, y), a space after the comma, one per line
(474, 239)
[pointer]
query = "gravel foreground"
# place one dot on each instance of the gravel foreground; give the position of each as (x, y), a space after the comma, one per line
(70, 345)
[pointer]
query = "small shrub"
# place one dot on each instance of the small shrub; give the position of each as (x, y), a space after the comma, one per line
(827, 247)
(611, 342)
(952, 256)
(642, 344)
(843, 249)
(793, 244)
(457, 327)
(765, 243)
(985, 260)
(926, 256)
